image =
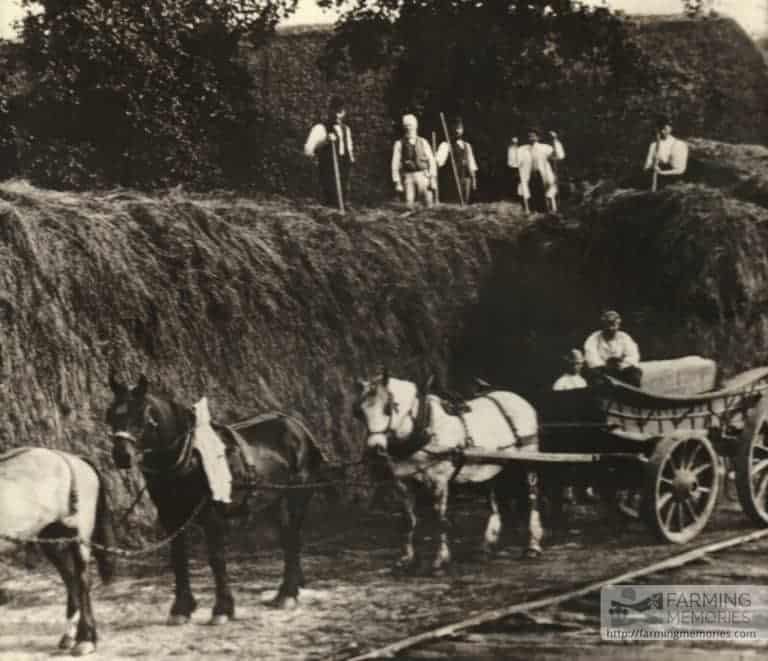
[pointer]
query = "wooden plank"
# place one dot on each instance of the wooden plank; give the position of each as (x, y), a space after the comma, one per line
(486, 456)
(674, 561)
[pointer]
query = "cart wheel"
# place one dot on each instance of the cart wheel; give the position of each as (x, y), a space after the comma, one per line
(751, 463)
(681, 487)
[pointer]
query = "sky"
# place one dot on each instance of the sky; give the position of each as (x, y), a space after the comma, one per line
(750, 13)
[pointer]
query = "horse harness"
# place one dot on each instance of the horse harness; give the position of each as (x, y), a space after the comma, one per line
(183, 463)
(420, 437)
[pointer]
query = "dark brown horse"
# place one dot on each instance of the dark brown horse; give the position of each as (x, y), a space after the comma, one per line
(157, 433)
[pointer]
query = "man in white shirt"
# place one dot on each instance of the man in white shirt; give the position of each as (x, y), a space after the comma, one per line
(671, 159)
(333, 134)
(612, 351)
(414, 169)
(466, 166)
(538, 181)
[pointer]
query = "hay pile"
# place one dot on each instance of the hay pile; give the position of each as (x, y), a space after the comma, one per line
(692, 265)
(739, 170)
(257, 304)
(687, 267)
(263, 304)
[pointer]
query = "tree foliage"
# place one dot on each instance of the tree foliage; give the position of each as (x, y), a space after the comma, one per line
(504, 65)
(139, 93)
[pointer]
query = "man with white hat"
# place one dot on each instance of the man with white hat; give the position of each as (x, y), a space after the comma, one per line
(414, 169)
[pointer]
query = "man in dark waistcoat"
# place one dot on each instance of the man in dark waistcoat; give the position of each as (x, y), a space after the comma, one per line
(466, 166)
(325, 137)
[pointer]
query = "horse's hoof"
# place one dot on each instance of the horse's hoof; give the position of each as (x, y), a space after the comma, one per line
(438, 571)
(178, 620)
(285, 603)
(405, 565)
(531, 554)
(67, 642)
(83, 648)
(218, 620)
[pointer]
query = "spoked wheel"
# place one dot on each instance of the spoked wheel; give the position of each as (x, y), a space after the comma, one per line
(751, 463)
(681, 487)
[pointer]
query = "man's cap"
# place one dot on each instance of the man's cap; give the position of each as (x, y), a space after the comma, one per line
(410, 120)
(663, 121)
(609, 316)
(458, 121)
(574, 357)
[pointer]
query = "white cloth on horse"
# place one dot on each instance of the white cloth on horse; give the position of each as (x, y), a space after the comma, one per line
(213, 453)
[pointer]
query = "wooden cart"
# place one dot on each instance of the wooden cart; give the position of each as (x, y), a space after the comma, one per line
(664, 447)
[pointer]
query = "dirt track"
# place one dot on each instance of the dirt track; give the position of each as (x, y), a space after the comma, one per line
(352, 603)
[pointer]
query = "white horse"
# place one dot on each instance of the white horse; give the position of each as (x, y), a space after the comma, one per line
(51, 494)
(423, 444)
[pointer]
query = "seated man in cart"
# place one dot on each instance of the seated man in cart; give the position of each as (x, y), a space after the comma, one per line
(612, 351)
(572, 378)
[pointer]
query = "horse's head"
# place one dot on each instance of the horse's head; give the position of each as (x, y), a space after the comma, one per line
(127, 418)
(388, 408)
(141, 424)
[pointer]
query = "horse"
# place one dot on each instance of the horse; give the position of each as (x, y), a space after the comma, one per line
(51, 494)
(157, 431)
(422, 443)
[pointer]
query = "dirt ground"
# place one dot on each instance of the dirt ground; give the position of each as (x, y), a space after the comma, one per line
(353, 601)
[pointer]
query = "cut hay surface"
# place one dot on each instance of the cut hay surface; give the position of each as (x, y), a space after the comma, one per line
(740, 170)
(256, 304)
(263, 304)
(690, 265)
(687, 267)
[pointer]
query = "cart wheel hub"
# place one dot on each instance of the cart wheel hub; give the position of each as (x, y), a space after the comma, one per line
(684, 484)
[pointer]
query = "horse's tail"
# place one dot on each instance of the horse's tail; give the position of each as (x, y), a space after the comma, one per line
(104, 534)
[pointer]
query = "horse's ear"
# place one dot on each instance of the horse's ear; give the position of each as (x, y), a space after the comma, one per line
(385, 377)
(360, 386)
(141, 387)
(427, 385)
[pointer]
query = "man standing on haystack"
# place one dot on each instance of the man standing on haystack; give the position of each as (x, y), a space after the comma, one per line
(466, 166)
(334, 134)
(414, 170)
(667, 156)
(538, 181)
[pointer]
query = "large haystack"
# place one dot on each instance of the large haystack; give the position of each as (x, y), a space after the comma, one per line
(267, 304)
(256, 304)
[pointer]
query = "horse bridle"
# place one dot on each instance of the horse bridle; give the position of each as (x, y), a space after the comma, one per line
(184, 439)
(389, 432)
